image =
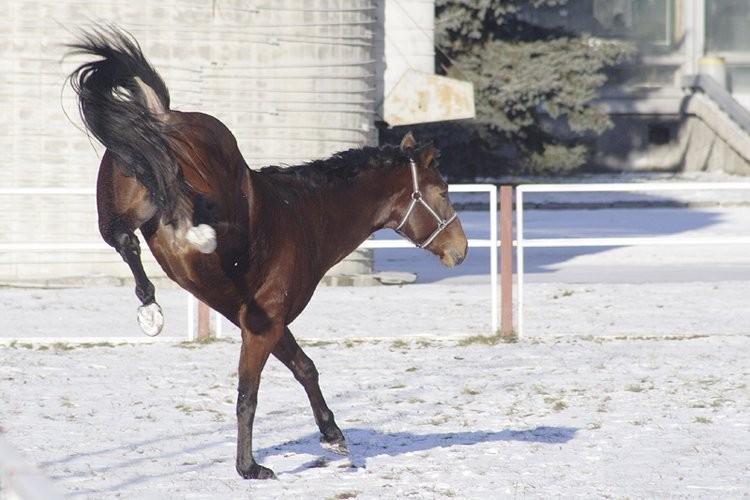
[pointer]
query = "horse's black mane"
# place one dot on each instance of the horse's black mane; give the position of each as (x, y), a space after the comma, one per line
(343, 165)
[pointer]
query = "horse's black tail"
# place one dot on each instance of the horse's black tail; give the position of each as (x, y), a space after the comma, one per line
(123, 102)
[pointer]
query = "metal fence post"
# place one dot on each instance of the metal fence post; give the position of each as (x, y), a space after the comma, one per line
(204, 321)
(506, 261)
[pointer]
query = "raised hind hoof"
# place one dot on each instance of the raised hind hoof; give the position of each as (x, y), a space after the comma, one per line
(203, 237)
(150, 319)
(336, 445)
(256, 471)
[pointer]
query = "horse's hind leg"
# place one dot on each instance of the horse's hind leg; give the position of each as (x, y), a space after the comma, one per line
(123, 206)
(150, 317)
(291, 354)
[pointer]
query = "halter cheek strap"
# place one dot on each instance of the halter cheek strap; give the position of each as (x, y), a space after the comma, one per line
(417, 198)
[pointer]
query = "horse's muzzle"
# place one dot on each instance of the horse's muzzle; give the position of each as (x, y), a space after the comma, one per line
(453, 257)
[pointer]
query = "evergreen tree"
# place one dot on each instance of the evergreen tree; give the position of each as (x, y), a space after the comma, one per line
(533, 86)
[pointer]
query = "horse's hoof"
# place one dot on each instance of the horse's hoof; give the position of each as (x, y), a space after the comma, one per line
(337, 446)
(203, 237)
(150, 319)
(256, 471)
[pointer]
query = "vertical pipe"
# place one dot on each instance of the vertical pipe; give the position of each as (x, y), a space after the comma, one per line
(218, 332)
(493, 258)
(519, 259)
(190, 316)
(694, 23)
(506, 260)
(204, 321)
(699, 10)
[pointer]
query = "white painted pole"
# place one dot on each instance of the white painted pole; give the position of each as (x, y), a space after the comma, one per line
(46, 191)
(473, 243)
(519, 260)
(218, 325)
(635, 241)
(493, 259)
(635, 187)
(190, 316)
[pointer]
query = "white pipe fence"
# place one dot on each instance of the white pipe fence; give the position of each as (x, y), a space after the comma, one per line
(522, 243)
(492, 243)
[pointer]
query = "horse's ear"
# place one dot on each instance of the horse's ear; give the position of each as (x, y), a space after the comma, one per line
(408, 142)
(426, 155)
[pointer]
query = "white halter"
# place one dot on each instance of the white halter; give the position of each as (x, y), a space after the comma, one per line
(416, 197)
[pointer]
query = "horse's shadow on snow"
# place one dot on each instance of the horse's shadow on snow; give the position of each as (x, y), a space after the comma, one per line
(368, 443)
(363, 444)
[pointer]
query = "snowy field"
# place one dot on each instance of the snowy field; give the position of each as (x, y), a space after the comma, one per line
(632, 380)
(440, 311)
(613, 291)
(573, 410)
(565, 417)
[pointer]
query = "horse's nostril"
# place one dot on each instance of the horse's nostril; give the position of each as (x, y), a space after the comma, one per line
(459, 257)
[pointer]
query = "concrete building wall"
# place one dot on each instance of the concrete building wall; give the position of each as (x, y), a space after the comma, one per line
(293, 79)
(404, 40)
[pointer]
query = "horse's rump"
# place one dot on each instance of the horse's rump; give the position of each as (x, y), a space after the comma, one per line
(123, 102)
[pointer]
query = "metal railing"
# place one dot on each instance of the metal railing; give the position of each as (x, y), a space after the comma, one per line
(492, 242)
(721, 96)
(520, 242)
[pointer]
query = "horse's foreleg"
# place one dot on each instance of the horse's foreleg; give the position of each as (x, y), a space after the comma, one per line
(126, 243)
(291, 354)
(256, 348)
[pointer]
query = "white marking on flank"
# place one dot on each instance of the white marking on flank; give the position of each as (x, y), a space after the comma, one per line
(203, 237)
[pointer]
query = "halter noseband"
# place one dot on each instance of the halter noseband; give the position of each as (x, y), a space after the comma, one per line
(416, 197)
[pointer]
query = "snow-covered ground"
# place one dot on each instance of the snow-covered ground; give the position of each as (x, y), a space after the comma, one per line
(573, 410)
(680, 289)
(567, 417)
(631, 382)
(437, 310)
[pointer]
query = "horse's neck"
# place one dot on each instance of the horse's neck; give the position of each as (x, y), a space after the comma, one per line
(354, 214)
(339, 218)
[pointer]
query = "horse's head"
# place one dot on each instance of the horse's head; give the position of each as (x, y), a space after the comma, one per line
(423, 214)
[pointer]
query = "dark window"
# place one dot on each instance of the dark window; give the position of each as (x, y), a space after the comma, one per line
(659, 134)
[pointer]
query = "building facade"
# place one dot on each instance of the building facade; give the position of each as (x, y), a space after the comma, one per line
(662, 121)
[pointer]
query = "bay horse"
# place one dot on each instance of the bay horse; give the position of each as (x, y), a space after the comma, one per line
(253, 245)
